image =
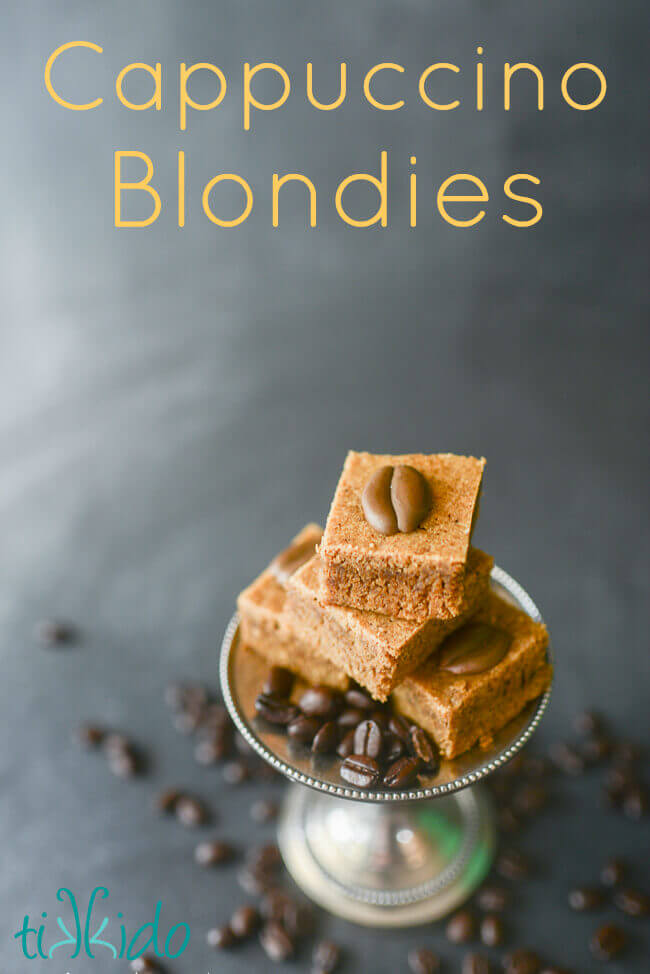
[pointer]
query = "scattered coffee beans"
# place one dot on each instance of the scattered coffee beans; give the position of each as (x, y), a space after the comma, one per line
(213, 853)
(522, 962)
(633, 902)
(276, 942)
(608, 942)
(326, 957)
(585, 898)
(221, 937)
(423, 961)
(461, 928)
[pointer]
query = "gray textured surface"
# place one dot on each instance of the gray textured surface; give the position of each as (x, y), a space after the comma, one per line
(174, 404)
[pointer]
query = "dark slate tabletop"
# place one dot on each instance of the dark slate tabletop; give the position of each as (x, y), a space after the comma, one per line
(174, 404)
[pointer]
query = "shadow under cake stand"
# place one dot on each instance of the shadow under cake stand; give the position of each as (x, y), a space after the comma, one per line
(379, 858)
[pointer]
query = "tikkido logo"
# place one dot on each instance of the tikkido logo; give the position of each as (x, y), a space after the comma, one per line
(82, 941)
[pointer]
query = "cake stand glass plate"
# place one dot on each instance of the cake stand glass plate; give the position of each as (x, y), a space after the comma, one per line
(379, 857)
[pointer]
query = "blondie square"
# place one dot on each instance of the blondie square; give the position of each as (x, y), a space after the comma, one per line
(413, 575)
(264, 622)
(462, 709)
(376, 650)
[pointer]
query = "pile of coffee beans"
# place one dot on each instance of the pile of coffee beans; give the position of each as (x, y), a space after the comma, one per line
(377, 747)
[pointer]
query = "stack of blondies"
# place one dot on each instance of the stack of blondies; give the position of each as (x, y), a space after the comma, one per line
(393, 596)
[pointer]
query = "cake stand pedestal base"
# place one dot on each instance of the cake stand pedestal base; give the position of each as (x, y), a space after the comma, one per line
(390, 864)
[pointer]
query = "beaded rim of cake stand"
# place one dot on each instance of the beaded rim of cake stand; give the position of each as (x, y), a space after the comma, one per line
(514, 589)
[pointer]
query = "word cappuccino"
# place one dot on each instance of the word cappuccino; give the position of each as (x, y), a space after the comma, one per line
(465, 188)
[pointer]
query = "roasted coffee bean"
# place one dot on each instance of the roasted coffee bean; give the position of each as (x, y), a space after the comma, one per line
(608, 942)
(320, 701)
(190, 812)
(210, 750)
(492, 930)
(567, 759)
(529, 799)
(326, 957)
(89, 736)
(273, 904)
(619, 778)
(360, 770)
(279, 683)
(279, 712)
(595, 749)
(55, 632)
(186, 696)
(521, 961)
(186, 721)
(213, 853)
(235, 772)
(351, 717)
(393, 749)
(297, 918)
(395, 499)
(326, 739)
(266, 857)
(635, 803)
(221, 937)
(399, 727)
(613, 872)
(174, 695)
(245, 921)
(511, 864)
(264, 810)
(401, 773)
(215, 718)
(358, 699)
(475, 964)
(424, 749)
(626, 753)
(303, 729)
(633, 902)
(276, 942)
(585, 898)
(254, 881)
(588, 723)
(147, 964)
(460, 928)
(346, 746)
(474, 648)
(368, 739)
(123, 762)
(423, 961)
(493, 899)
(115, 742)
(166, 801)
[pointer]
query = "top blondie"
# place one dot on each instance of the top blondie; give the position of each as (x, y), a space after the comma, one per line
(413, 574)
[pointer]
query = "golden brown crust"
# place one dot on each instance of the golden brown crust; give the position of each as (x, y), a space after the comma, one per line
(461, 710)
(266, 627)
(414, 575)
(376, 650)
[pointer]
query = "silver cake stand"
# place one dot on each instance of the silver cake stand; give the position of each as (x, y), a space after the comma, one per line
(379, 858)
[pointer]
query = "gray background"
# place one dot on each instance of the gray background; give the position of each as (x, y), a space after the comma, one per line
(175, 404)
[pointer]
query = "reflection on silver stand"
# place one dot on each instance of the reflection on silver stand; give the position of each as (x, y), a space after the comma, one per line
(380, 858)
